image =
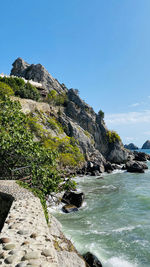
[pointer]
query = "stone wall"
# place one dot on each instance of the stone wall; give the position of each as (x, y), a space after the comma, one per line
(27, 240)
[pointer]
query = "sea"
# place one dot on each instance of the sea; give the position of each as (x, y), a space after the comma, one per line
(114, 221)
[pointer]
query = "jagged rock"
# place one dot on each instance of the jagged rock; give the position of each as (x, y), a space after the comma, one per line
(73, 198)
(37, 73)
(140, 156)
(92, 260)
(78, 118)
(69, 208)
(146, 145)
(135, 166)
(89, 121)
(131, 146)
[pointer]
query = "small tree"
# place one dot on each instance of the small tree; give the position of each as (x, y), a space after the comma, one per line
(101, 114)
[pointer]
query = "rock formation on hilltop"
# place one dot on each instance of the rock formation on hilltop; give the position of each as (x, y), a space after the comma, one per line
(37, 73)
(146, 145)
(79, 120)
(131, 146)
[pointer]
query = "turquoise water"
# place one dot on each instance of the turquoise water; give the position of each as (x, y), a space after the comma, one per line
(114, 222)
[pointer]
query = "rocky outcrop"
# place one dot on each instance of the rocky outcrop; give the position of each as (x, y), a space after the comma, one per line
(73, 198)
(136, 166)
(131, 146)
(69, 208)
(37, 73)
(92, 260)
(146, 145)
(78, 119)
(91, 123)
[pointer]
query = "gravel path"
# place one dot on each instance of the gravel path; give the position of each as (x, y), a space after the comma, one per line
(18, 192)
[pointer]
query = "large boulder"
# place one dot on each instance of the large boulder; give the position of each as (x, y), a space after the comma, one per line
(92, 260)
(73, 198)
(69, 208)
(140, 156)
(136, 166)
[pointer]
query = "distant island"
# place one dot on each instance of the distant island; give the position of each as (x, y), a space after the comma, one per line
(131, 146)
(146, 145)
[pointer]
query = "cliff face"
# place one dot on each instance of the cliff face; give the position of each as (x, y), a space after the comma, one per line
(78, 119)
(37, 73)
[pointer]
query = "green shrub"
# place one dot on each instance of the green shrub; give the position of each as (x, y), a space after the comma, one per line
(18, 149)
(5, 89)
(113, 137)
(28, 91)
(101, 114)
(20, 88)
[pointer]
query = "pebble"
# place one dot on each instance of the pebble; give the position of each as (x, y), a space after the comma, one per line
(9, 247)
(22, 232)
(31, 255)
(47, 252)
(10, 259)
(21, 264)
(5, 240)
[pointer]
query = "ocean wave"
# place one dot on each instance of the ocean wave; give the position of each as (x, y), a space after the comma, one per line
(118, 262)
(126, 228)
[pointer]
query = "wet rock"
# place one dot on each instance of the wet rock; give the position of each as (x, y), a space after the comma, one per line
(73, 198)
(140, 156)
(69, 208)
(92, 260)
(135, 166)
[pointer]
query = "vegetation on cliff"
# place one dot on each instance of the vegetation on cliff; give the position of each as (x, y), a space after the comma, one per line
(18, 87)
(18, 149)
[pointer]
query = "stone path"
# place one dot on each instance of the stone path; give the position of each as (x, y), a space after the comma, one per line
(26, 239)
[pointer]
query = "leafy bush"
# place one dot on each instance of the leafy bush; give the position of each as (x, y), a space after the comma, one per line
(17, 149)
(20, 88)
(28, 91)
(57, 99)
(113, 137)
(5, 89)
(101, 114)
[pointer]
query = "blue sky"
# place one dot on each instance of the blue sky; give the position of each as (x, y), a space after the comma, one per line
(101, 47)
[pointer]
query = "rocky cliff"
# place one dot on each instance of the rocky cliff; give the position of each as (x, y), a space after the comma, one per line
(77, 118)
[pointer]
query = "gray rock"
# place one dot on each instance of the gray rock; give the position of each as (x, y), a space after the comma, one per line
(135, 166)
(69, 208)
(31, 255)
(131, 146)
(73, 198)
(21, 264)
(146, 145)
(10, 259)
(36, 73)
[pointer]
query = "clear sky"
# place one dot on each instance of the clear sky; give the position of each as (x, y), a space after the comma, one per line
(101, 47)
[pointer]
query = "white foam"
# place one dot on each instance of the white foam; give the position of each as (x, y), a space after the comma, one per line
(126, 228)
(118, 262)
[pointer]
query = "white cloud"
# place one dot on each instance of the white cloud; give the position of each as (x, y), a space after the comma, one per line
(128, 118)
(135, 105)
